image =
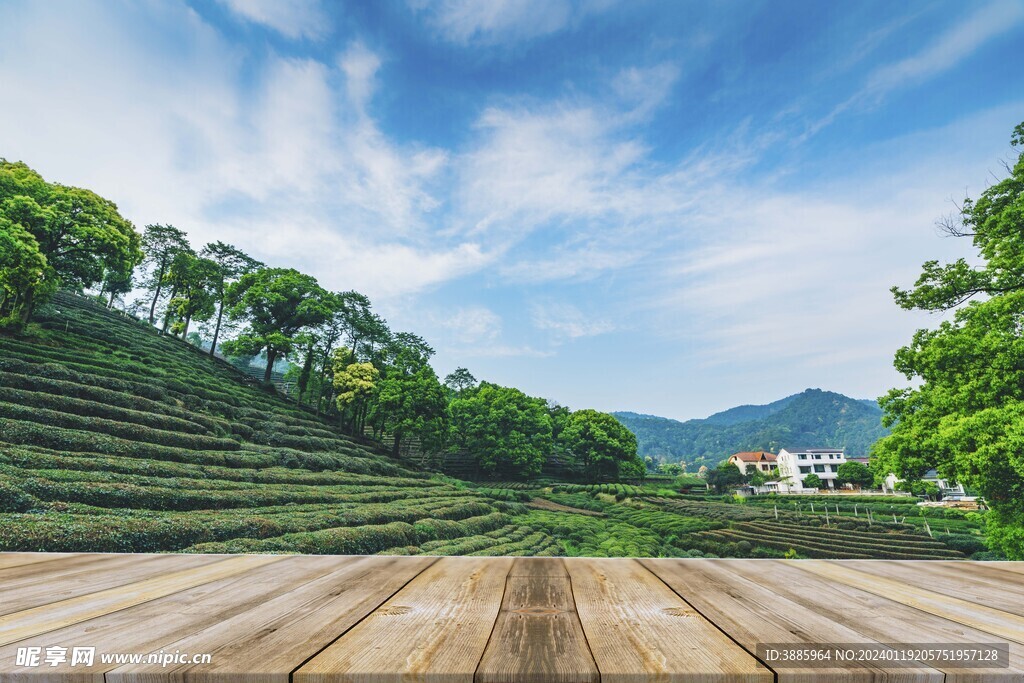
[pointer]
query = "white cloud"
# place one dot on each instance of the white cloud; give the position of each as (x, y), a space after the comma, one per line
(941, 54)
(275, 157)
(566, 321)
(360, 66)
(504, 21)
(291, 18)
(474, 324)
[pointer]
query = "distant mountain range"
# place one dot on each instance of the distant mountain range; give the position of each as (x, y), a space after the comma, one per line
(811, 418)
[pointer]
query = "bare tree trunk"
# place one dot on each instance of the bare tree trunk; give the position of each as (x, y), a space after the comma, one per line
(156, 297)
(271, 358)
(216, 330)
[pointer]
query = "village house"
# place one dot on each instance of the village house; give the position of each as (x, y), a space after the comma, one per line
(753, 461)
(796, 463)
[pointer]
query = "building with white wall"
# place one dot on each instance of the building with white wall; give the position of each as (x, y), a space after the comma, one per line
(796, 463)
(753, 461)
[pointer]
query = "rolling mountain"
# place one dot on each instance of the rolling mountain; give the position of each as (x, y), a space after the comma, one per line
(811, 418)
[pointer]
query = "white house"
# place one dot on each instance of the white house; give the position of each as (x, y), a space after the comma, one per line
(950, 490)
(796, 463)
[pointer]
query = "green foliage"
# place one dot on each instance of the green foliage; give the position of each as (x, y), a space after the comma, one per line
(508, 432)
(602, 445)
(277, 303)
(725, 477)
(812, 481)
(55, 234)
(966, 418)
(854, 473)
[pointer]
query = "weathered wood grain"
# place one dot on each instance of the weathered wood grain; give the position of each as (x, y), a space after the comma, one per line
(27, 586)
(879, 618)
(538, 637)
(995, 621)
(638, 629)
(435, 629)
(150, 626)
(276, 634)
(38, 620)
(751, 611)
(983, 585)
(20, 559)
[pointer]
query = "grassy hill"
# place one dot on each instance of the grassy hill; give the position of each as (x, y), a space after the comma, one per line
(114, 438)
(811, 418)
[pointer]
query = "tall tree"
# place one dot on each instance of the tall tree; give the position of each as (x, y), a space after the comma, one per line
(232, 263)
(80, 234)
(602, 445)
(24, 272)
(161, 243)
(409, 401)
(459, 380)
(506, 431)
(966, 417)
(277, 303)
(194, 281)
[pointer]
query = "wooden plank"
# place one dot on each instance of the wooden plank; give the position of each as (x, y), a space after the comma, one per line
(638, 629)
(21, 559)
(276, 636)
(36, 585)
(997, 622)
(1015, 567)
(38, 620)
(975, 583)
(878, 617)
(435, 629)
(752, 612)
(538, 637)
(151, 626)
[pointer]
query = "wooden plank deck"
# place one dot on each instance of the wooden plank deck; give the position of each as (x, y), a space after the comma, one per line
(491, 620)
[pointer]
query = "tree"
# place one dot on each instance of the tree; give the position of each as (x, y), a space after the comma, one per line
(724, 477)
(277, 304)
(355, 384)
(966, 416)
(116, 282)
(161, 243)
(80, 234)
(232, 263)
(508, 432)
(854, 473)
(812, 481)
(601, 444)
(460, 380)
(194, 281)
(24, 272)
(672, 469)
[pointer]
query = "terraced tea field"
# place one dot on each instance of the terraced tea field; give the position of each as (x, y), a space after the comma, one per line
(114, 438)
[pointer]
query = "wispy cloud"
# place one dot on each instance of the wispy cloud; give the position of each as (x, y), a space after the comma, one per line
(566, 321)
(950, 48)
(504, 21)
(291, 18)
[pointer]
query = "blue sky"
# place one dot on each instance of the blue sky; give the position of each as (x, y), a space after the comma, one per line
(665, 207)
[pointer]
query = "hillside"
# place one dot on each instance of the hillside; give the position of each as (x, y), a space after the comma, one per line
(115, 438)
(813, 417)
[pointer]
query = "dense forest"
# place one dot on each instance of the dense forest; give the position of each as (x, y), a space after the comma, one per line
(811, 418)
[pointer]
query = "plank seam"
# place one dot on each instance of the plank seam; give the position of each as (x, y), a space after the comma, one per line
(497, 617)
(586, 639)
(775, 674)
(307, 660)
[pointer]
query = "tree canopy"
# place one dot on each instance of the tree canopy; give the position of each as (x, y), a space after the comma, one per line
(966, 417)
(276, 303)
(80, 235)
(602, 445)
